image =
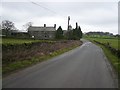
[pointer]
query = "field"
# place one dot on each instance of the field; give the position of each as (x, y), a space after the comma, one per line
(113, 41)
(13, 41)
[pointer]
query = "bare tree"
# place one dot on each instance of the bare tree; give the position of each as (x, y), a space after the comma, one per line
(27, 25)
(7, 26)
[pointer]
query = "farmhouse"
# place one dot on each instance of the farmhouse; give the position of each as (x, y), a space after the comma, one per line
(42, 32)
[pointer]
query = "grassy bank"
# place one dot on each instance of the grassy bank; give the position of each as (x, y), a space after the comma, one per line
(114, 60)
(12, 41)
(18, 56)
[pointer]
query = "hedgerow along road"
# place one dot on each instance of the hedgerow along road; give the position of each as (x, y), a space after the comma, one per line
(83, 67)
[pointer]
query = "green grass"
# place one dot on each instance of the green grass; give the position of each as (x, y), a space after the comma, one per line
(20, 41)
(113, 59)
(113, 41)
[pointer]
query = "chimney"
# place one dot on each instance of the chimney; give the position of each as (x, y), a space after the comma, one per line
(55, 26)
(44, 25)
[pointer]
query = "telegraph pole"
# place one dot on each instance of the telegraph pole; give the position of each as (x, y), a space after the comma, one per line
(68, 22)
(68, 27)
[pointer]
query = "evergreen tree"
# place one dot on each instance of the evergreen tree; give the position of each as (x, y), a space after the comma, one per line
(75, 32)
(80, 32)
(59, 33)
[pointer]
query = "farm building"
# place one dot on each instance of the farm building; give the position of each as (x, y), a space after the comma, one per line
(20, 34)
(42, 32)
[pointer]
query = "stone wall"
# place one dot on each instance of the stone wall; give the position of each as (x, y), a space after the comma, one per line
(42, 34)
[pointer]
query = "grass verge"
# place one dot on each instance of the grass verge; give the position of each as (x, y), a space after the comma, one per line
(112, 58)
(114, 61)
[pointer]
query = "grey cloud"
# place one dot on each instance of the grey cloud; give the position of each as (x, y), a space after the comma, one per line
(102, 14)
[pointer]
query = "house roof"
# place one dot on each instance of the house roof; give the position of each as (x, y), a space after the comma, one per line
(34, 28)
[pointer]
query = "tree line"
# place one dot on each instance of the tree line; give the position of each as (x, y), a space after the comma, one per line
(75, 34)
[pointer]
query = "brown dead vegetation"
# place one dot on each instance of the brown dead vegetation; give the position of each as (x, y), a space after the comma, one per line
(13, 53)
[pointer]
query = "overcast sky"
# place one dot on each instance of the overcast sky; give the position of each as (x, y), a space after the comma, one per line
(91, 16)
